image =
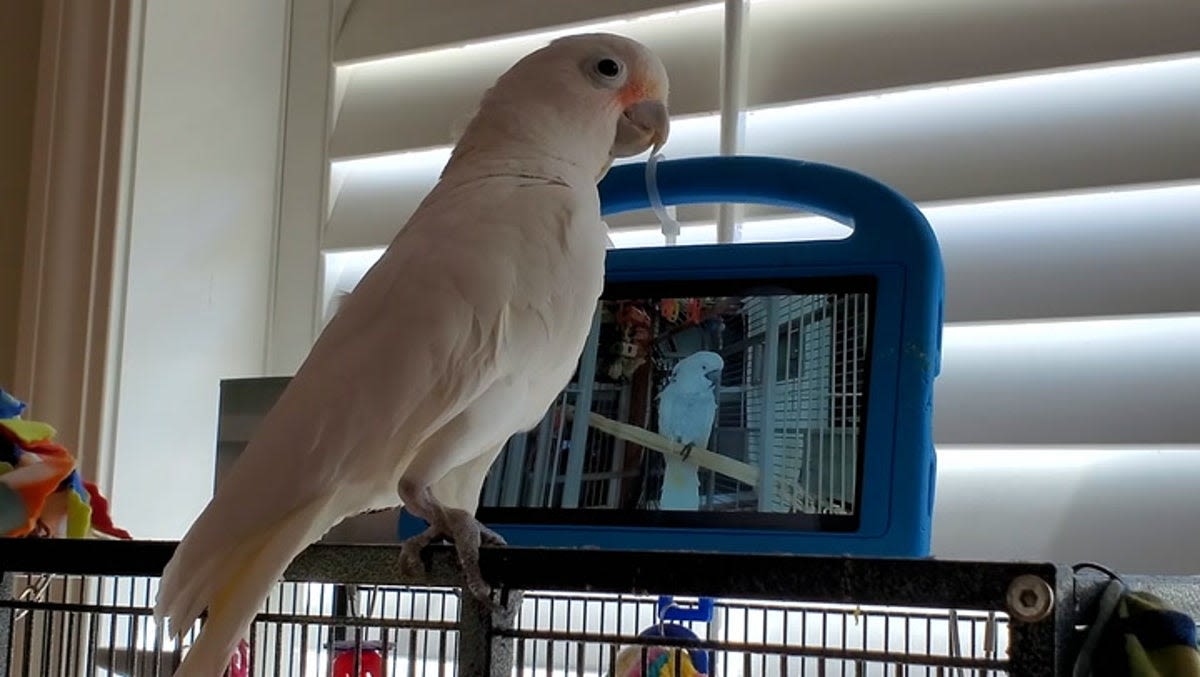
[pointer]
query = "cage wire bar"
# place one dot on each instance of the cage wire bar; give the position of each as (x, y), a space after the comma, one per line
(84, 608)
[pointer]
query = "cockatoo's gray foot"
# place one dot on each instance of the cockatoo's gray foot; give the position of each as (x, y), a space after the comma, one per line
(458, 526)
(686, 451)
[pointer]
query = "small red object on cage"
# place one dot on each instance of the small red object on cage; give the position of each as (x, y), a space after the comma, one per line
(370, 661)
(239, 665)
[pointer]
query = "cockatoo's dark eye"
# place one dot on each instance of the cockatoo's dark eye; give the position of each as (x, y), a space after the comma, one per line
(609, 68)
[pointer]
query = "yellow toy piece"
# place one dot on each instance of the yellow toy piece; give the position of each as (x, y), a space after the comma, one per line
(29, 432)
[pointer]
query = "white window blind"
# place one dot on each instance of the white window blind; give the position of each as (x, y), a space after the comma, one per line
(1055, 148)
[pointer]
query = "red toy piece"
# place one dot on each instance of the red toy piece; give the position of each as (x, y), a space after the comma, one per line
(370, 661)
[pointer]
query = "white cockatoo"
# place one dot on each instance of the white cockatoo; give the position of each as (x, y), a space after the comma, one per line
(463, 333)
(687, 408)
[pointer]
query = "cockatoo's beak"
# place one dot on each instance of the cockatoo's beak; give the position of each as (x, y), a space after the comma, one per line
(645, 124)
(715, 377)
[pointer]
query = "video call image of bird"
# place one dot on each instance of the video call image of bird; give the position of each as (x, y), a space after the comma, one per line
(669, 352)
(687, 409)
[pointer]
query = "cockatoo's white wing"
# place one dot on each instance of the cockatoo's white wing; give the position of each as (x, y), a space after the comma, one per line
(668, 414)
(430, 330)
(687, 409)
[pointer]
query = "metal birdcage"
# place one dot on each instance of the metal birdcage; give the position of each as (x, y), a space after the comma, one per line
(83, 608)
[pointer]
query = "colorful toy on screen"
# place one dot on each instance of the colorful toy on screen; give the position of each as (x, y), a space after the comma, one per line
(634, 346)
(41, 492)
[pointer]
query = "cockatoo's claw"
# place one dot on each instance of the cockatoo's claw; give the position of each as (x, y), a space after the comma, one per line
(467, 534)
(686, 451)
(489, 537)
(411, 563)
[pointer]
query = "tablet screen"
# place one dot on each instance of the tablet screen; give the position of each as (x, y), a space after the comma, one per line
(738, 403)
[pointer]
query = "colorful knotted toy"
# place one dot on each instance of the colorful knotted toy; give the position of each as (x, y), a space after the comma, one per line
(41, 492)
(659, 662)
(665, 661)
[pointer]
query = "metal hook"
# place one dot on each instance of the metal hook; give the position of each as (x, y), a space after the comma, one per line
(34, 591)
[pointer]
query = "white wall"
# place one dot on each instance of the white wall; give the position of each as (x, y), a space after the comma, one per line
(200, 246)
(1133, 509)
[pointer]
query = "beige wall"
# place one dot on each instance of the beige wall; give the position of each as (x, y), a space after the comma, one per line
(20, 33)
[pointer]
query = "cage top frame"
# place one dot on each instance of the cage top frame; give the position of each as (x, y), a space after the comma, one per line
(892, 242)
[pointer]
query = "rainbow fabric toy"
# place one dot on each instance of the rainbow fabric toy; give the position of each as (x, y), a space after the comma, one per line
(659, 662)
(41, 492)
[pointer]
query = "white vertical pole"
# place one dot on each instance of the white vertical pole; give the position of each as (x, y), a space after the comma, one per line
(733, 106)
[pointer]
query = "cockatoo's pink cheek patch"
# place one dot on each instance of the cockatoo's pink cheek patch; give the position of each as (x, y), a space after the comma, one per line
(633, 92)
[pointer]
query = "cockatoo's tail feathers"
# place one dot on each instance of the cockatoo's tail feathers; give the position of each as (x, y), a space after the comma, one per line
(232, 586)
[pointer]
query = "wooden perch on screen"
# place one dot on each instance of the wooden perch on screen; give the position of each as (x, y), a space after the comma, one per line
(710, 460)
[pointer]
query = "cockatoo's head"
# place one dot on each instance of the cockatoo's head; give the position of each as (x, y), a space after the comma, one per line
(586, 99)
(701, 364)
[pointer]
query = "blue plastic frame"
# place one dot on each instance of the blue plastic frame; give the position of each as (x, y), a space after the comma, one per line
(892, 241)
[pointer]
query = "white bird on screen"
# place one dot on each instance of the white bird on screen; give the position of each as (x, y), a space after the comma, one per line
(687, 408)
